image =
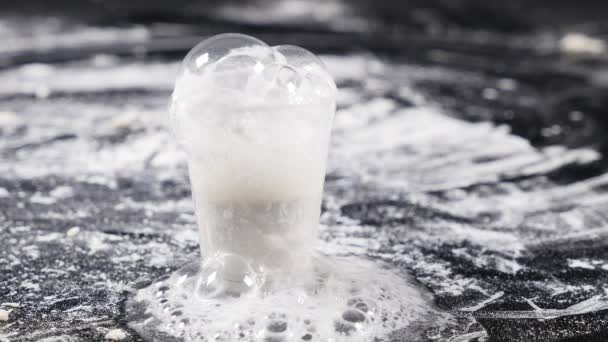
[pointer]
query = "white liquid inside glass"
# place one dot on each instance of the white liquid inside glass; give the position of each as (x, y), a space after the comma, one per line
(257, 180)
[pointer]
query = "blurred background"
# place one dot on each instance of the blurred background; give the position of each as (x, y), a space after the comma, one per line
(550, 55)
(469, 148)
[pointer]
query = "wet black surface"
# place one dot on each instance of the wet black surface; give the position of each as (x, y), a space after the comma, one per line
(469, 149)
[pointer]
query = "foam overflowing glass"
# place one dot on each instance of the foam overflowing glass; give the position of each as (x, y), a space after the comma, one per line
(255, 123)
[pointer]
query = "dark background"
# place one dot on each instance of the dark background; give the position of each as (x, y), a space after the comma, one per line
(518, 39)
(499, 62)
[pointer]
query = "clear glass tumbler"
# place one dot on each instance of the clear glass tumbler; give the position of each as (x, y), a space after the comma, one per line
(255, 122)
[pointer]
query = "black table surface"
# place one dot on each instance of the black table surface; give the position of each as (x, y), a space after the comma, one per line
(468, 150)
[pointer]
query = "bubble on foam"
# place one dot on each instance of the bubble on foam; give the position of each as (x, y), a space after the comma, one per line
(240, 71)
(347, 300)
(253, 115)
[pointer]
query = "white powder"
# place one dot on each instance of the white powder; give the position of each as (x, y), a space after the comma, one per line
(62, 192)
(580, 263)
(4, 315)
(581, 44)
(38, 198)
(116, 335)
(73, 231)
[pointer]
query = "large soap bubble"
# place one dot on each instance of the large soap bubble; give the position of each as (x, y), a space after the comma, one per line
(235, 70)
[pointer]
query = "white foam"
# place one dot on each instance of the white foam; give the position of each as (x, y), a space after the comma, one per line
(115, 335)
(352, 300)
(252, 76)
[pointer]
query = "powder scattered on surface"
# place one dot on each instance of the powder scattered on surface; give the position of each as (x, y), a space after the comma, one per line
(73, 231)
(41, 199)
(578, 43)
(62, 192)
(580, 263)
(116, 335)
(12, 305)
(3, 315)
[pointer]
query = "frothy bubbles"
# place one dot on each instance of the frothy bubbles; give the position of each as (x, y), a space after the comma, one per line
(237, 70)
(350, 300)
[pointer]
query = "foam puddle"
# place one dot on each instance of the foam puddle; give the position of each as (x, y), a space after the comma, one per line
(350, 299)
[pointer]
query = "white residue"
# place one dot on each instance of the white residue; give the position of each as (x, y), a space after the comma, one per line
(8, 119)
(581, 44)
(508, 265)
(83, 78)
(589, 264)
(484, 303)
(334, 14)
(72, 231)
(99, 241)
(4, 315)
(49, 237)
(580, 263)
(21, 229)
(39, 198)
(84, 307)
(592, 304)
(31, 251)
(116, 335)
(30, 286)
(63, 191)
(126, 120)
